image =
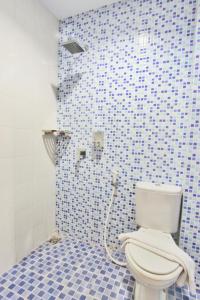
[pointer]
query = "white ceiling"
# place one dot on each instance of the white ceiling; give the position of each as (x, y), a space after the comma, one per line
(67, 8)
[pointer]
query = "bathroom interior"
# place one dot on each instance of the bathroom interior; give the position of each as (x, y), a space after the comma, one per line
(99, 156)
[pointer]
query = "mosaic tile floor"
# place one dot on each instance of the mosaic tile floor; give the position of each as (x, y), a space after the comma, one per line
(69, 270)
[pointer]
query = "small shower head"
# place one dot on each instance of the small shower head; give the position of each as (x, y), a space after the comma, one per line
(73, 47)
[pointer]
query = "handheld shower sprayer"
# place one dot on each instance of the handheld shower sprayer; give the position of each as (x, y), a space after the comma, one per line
(114, 178)
(114, 193)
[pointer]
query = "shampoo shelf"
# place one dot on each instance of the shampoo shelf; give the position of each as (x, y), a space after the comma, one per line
(55, 141)
(56, 132)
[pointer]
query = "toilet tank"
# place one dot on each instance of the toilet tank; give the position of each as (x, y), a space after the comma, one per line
(158, 206)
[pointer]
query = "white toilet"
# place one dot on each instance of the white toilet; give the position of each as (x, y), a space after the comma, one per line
(157, 214)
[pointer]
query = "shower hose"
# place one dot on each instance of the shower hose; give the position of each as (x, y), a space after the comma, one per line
(118, 262)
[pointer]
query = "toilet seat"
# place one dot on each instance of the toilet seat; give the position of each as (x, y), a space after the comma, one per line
(151, 262)
(148, 268)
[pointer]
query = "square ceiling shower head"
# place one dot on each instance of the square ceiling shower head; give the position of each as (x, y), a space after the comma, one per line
(73, 47)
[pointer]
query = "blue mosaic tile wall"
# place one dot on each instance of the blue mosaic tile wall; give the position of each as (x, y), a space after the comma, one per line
(138, 83)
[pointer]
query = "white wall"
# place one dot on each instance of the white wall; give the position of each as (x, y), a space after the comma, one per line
(28, 59)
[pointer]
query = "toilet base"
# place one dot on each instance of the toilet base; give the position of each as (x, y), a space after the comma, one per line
(145, 293)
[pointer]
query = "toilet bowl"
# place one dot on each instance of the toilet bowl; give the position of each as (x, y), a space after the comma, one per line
(157, 214)
(153, 273)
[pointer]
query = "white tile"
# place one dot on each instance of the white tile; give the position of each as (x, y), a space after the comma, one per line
(24, 197)
(7, 174)
(7, 232)
(6, 148)
(24, 244)
(6, 109)
(28, 58)
(23, 169)
(23, 142)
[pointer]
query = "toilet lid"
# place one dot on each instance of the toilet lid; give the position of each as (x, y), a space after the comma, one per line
(149, 261)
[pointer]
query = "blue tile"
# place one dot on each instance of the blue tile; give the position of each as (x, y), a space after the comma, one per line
(78, 285)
